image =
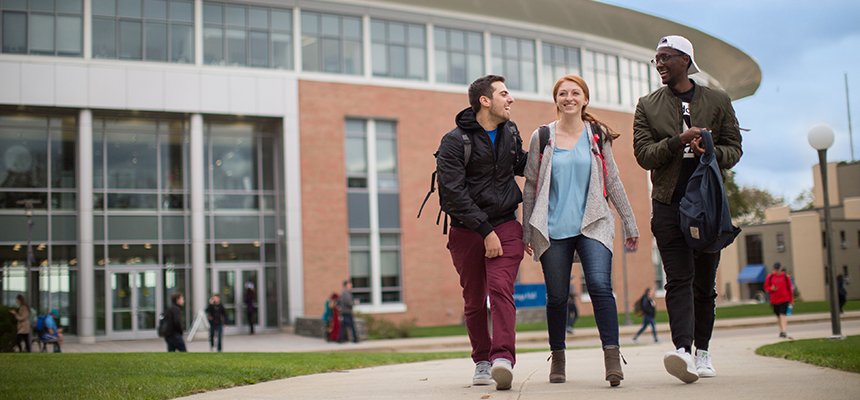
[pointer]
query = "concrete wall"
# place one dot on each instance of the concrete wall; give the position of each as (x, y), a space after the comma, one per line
(832, 187)
(807, 254)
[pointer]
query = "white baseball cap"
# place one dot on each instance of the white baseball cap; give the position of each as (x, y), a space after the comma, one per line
(683, 45)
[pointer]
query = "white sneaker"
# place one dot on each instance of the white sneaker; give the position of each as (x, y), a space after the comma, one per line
(680, 364)
(482, 374)
(703, 364)
(503, 373)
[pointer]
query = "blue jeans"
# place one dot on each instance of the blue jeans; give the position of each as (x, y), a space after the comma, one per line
(348, 322)
(216, 331)
(557, 262)
(647, 321)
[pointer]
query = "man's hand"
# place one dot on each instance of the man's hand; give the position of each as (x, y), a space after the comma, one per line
(696, 145)
(690, 134)
(492, 246)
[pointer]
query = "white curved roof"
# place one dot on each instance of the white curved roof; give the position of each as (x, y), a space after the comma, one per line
(737, 73)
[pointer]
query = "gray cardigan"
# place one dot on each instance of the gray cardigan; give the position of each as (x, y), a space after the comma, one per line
(597, 222)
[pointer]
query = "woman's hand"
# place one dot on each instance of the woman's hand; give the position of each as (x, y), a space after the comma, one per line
(529, 249)
(632, 244)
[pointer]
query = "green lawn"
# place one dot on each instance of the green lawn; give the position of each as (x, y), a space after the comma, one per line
(169, 375)
(737, 311)
(838, 354)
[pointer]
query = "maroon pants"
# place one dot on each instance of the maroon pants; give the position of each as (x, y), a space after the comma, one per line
(480, 277)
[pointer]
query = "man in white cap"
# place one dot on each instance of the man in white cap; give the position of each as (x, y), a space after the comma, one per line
(666, 140)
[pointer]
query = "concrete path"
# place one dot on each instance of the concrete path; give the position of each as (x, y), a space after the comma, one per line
(741, 375)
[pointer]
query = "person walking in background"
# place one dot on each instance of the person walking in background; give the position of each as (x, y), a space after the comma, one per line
(667, 129)
(841, 292)
(779, 288)
(347, 322)
(216, 315)
(331, 318)
(22, 316)
(569, 184)
(485, 240)
(648, 307)
(250, 300)
(173, 338)
(572, 311)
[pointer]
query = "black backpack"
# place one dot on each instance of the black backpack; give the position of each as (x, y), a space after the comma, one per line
(706, 222)
(467, 154)
(163, 326)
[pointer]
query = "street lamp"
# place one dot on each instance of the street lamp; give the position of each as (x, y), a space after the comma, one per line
(821, 138)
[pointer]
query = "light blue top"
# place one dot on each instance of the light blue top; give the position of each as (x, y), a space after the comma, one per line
(568, 189)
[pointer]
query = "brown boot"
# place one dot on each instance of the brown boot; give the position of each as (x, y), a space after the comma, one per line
(557, 368)
(612, 360)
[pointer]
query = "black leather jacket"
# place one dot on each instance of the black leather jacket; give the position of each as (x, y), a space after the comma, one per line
(483, 194)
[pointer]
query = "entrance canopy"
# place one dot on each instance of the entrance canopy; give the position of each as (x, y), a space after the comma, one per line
(752, 273)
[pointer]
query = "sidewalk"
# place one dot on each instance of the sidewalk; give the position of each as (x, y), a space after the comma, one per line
(741, 375)
(287, 342)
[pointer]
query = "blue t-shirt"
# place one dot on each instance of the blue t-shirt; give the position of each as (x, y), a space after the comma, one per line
(492, 135)
(568, 188)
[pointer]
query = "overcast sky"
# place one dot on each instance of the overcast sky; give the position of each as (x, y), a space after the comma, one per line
(804, 48)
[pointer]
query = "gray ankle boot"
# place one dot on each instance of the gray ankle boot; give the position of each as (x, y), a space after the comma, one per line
(612, 360)
(557, 368)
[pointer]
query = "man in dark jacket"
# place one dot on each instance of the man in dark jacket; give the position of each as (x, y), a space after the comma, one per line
(666, 140)
(217, 315)
(174, 321)
(485, 240)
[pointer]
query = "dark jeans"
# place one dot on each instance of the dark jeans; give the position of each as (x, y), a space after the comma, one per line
(481, 277)
(347, 323)
(647, 321)
(691, 291)
(213, 331)
(175, 343)
(23, 337)
(557, 262)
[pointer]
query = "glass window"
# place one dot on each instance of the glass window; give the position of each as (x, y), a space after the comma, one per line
(41, 34)
(331, 43)
(634, 80)
(459, 55)
(559, 61)
(23, 157)
(234, 165)
(382, 135)
(398, 49)
(45, 28)
(104, 38)
(14, 32)
(131, 160)
(69, 34)
(132, 228)
(153, 30)
(156, 41)
(248, 36)
(604, 78)
(514, 59)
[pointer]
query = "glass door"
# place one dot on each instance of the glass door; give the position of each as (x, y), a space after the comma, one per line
(238, 288)
(134, 303)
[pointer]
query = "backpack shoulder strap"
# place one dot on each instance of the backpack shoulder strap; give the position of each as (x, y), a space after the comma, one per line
(543, 138)
(467, 148)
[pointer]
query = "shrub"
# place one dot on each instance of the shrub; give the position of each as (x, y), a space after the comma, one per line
(380, 328)
(8, 330)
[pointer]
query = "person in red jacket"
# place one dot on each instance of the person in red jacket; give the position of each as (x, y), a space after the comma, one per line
(778, 286)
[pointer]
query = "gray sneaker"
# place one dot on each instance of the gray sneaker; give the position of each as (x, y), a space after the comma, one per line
(482, 374)
(503, 373)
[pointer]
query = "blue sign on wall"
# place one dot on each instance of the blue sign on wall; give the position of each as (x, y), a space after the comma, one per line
(530, 295)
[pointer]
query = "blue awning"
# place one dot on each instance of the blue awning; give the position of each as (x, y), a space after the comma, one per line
(752, 273)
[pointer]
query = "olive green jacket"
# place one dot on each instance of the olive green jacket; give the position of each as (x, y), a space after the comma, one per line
(658, 124)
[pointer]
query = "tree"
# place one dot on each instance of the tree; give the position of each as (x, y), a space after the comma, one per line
(803, 201)
(748, 203)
